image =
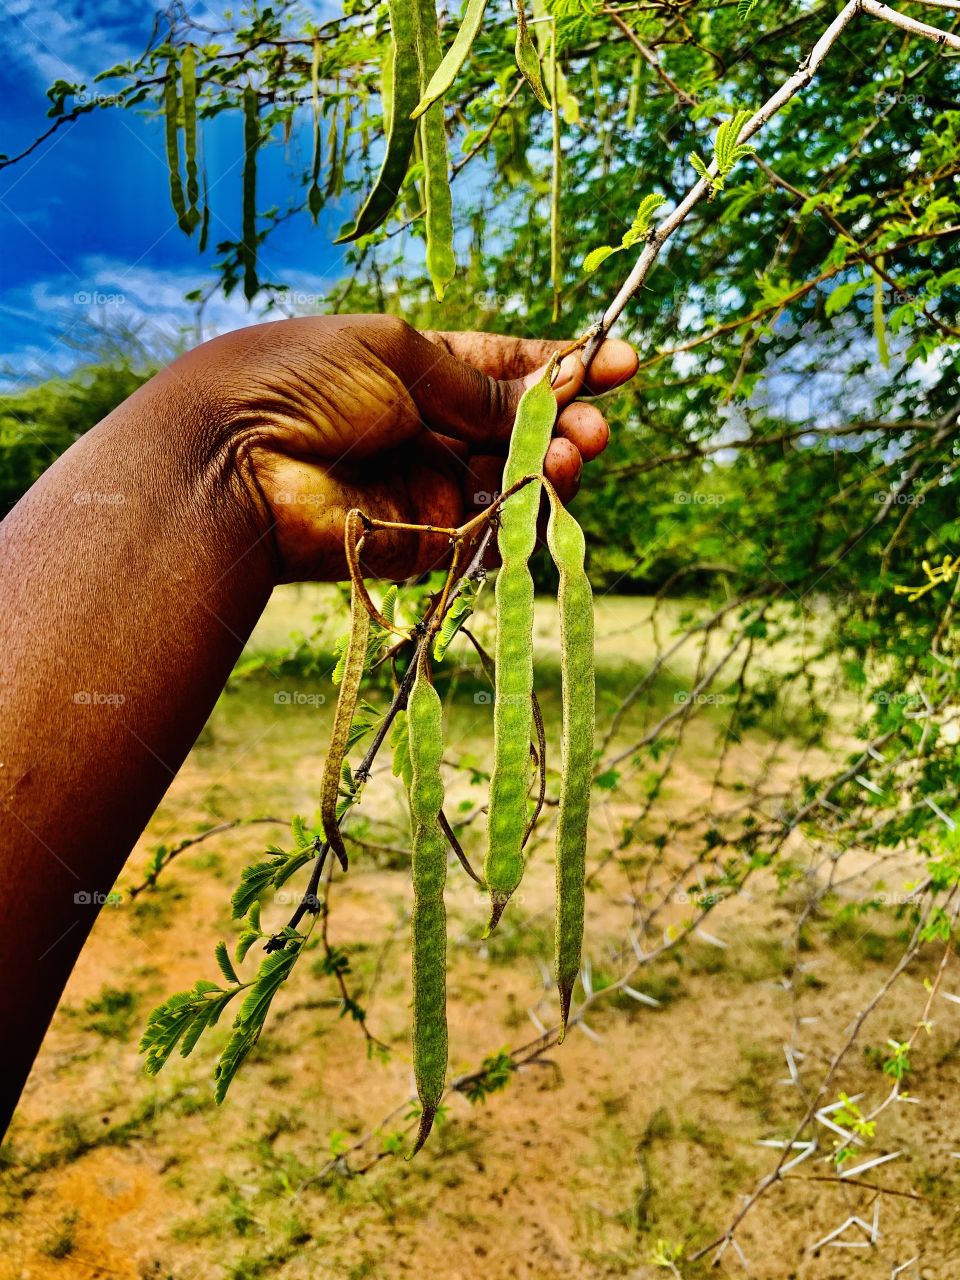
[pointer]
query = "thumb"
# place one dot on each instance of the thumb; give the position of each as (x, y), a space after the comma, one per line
(461, 401)
(455, 398)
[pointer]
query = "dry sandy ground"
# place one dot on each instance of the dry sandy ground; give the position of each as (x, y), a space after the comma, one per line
(637, 1137)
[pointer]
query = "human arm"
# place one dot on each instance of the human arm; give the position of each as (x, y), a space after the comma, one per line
(135, 569)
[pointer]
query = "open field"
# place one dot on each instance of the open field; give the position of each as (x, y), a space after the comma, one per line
(639, 1133)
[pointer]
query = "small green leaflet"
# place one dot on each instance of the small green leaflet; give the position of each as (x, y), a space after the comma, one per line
(642, 224)
(366, 717)
(251, 933)
(223, 961)
(726, 151)
(457, 614)
(349, 790)
(842, 295)
(745, 8)
(248, 1024)
(182, 1020)
(275, 869)
(598, 255)
(638, 230)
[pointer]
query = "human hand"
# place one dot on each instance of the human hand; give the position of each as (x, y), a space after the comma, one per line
(327, 413)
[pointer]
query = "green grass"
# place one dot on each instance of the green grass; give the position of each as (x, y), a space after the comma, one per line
(62, 1241)
(260, 755)
(112, 1014)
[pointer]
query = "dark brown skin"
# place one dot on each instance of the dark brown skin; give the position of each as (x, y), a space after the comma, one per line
(135, 569)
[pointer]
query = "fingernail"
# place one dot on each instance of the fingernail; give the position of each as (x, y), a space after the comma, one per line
(568, 369)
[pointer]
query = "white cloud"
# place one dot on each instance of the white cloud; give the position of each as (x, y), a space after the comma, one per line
(107, 304)
(76, 39)
(63, 42)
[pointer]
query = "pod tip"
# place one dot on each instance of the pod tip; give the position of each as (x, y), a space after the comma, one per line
(427, 1117)
(566, 994)
(498, 907)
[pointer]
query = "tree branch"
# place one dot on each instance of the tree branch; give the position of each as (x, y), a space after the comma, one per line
(704, 187)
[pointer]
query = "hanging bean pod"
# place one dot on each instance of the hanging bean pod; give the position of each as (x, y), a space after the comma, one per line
(575, 606)
(507, 820)
(445, 74)
(354, 662)
(441, 263)
(400, 97)
(429, 925)
(251, 142)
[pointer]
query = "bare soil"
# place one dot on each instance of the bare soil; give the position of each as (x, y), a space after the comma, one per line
(637, 1137)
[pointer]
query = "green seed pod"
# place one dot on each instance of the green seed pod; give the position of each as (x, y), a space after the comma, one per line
(205, 217)
(188, 75)
(401, 96)
(386, 83)
(512, 714)
(429, 925)
(315, 196)
(575, 605)
(445, 74)
(527, 58)
(441, 262)
(354, 662)
(556, 270)
(334, 156)
(251, 141)
(171, 109)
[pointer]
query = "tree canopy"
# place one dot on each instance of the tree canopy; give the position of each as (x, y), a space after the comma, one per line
(788, 452)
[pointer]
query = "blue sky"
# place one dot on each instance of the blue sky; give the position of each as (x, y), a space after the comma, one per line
(85, 221)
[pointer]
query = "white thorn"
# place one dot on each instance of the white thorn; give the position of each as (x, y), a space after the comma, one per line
(641, 996)
(869, 1164)
(944, 817)
(903, 1266)
(867, 784)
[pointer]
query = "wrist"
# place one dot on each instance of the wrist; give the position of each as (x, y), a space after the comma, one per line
(185, 431)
